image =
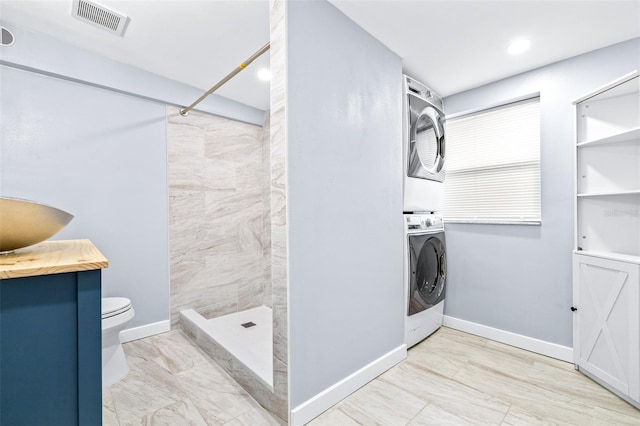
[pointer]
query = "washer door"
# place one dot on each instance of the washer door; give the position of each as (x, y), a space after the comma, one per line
(426, 141)
(428, 271)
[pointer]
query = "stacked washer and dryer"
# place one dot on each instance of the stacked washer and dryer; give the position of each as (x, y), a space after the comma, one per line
(424, 172)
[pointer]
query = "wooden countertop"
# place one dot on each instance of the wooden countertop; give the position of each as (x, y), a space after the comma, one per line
(52, 257)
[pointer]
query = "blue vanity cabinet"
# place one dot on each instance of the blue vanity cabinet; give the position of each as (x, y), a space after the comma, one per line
(50, 349)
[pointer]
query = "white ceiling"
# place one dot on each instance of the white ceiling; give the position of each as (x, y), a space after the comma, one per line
(449, 45)
(194, 42)
(456, 45)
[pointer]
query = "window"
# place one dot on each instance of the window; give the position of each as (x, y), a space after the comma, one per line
(493, 165)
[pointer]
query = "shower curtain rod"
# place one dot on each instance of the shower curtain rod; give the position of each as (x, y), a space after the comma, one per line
(185, 111)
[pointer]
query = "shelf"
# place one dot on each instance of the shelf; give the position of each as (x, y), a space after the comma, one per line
(609, 193)
(627, 135)
(610, 255)
(606, 90)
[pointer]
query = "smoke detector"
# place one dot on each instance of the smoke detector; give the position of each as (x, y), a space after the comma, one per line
(100, 16)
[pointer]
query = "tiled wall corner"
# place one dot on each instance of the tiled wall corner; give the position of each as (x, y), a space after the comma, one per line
(278, 145)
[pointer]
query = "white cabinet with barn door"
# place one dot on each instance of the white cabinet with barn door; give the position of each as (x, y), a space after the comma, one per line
(606, 262)
(607, 324)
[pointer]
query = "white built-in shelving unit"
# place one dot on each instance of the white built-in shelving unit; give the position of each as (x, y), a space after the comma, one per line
(608, 169)
(606, 260)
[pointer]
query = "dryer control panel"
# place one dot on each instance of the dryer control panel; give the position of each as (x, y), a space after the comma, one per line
(423, 222)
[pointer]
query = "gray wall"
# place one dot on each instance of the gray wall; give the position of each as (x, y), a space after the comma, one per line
(47, 55)
(344, 197)
(518, 278)
(102, 157)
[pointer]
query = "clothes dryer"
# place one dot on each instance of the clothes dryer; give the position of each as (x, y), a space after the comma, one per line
(425, 264)
(424, 148)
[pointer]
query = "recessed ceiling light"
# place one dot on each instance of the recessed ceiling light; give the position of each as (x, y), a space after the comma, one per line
(264, 74)
(518, 46)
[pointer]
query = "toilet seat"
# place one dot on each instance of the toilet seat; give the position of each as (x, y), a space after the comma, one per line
(112, 306)
(117, 313)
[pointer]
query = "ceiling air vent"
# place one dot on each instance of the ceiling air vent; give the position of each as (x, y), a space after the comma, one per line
(99, 16)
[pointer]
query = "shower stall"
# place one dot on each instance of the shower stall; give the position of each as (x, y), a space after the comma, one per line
(220, 219)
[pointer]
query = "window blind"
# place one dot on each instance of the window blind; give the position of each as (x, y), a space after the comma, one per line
(493, 165)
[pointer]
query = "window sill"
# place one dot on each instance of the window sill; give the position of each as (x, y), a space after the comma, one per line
(493, 222)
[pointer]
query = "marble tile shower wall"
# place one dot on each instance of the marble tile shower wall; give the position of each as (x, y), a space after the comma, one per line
(266, 209)
(219, 197)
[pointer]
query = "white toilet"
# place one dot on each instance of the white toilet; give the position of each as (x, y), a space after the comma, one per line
(117, 312)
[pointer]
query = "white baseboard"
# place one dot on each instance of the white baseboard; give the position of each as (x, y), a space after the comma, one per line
(315, 406)
(553, 350)
(145, 331)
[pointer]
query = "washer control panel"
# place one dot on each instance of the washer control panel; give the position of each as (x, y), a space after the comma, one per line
(423, 222)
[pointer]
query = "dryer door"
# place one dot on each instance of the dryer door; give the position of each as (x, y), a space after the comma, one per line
(426, 141)
(428, 271)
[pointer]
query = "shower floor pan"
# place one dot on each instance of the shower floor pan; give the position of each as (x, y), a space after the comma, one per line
(246, 335)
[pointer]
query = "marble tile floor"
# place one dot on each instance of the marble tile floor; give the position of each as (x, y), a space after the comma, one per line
(173, 382)
(452, 378)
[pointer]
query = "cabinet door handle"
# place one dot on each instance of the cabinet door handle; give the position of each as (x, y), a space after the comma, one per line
(573, 309)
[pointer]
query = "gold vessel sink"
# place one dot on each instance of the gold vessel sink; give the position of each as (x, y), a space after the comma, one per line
(24, 223)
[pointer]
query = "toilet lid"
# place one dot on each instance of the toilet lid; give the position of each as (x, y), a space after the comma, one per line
(112, 306)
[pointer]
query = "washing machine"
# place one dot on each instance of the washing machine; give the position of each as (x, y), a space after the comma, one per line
(425, 268)
(423, 148)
